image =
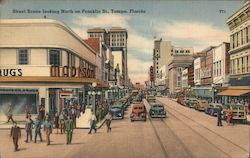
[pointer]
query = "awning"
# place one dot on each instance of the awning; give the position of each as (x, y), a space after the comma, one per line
(233, 92)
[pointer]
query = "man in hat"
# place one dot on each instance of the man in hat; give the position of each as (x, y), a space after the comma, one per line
(38, 129)
(15, 134)
(48, 129)
(69, 129)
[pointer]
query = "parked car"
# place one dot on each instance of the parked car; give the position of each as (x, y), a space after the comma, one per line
(139, 112)
(201, 105)
(157, 110)
(150, 98)
(238, 110)
(192, 102)
(213, 108)
(117, 111)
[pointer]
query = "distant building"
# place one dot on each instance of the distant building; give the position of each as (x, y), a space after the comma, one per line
(116, 39)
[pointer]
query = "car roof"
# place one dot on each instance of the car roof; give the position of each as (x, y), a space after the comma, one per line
(138, 105)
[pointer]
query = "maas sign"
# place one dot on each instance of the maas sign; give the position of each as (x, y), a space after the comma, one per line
(66, 71)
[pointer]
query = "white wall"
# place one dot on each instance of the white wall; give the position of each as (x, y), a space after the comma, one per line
(197, 66)
(38, 57)
(8, 56)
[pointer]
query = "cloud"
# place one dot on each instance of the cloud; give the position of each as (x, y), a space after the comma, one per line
(140, 43)
(201, 35)
(103, 20)
(138, 70)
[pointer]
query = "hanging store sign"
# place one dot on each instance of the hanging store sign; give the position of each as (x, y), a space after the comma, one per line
(66, 71)
(11, 72)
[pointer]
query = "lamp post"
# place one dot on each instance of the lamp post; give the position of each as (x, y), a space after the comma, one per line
(213, 90)
(93, 93)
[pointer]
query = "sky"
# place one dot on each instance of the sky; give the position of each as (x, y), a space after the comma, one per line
(194, 23)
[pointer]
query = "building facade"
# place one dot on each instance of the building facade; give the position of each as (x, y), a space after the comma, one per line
(116, 39)
(43, 62)
(239, 26)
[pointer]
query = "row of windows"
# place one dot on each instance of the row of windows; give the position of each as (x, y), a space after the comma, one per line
(240, 38)
(218, 68)
(181, 51)
(118, 44)
(118, 35)
(240, 65)
(54, 58)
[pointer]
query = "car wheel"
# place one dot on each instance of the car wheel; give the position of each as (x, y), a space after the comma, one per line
(132, 120)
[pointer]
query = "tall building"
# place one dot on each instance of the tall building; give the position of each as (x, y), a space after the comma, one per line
(116, 39)
(239, 26)
(182, 57)
(161, 58)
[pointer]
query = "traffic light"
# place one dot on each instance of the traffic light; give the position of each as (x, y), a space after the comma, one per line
(152, 73)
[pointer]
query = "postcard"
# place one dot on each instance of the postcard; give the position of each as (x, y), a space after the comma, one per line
(125, 78)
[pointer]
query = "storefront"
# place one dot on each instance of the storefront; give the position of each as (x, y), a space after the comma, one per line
(50, 65)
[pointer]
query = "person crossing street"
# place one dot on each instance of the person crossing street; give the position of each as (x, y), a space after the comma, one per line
(48, 129)
(92, 122)
(69, 129)
(15, 134)
(38, 129)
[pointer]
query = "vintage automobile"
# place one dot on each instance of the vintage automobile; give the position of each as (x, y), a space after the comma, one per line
(213, 108)
(139, 112)
(238, 110)
(157, 110)
(192, 102)
(201, 105)
(117, 110)
(150, 98)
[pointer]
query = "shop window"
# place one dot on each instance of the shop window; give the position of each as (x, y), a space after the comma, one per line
(23, 56)
(54, 57)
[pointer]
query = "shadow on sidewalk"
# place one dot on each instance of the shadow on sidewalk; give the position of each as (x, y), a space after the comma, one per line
(56, 144)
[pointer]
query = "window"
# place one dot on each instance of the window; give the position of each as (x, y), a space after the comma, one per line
(71, 59)
(54, 57)
(157, 63)
(23, 56)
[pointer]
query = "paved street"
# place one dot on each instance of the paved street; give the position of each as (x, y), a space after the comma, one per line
(184, 133)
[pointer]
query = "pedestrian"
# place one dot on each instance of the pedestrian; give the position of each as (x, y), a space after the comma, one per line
(28, 128)
(15, 134)
(108, 121)
(41, 113)
(56, 122)
(27, 111)
(229, 116)
(219, 123)
(61, 122)
(38, 129)
(69, 129)
(48, 129)
(10, 114)
(78, 110)
(73, 115)
(92, 122)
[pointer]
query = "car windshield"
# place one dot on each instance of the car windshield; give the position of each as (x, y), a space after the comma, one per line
(115, 108)
(159, 107)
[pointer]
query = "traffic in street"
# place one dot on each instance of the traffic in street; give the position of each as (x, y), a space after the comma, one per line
(184, 132)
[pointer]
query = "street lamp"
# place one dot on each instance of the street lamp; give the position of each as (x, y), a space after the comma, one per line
(213, 90)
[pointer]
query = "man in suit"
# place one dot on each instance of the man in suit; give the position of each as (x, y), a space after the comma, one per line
(15, 134)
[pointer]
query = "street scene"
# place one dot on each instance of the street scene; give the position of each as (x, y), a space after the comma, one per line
(142, 79)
